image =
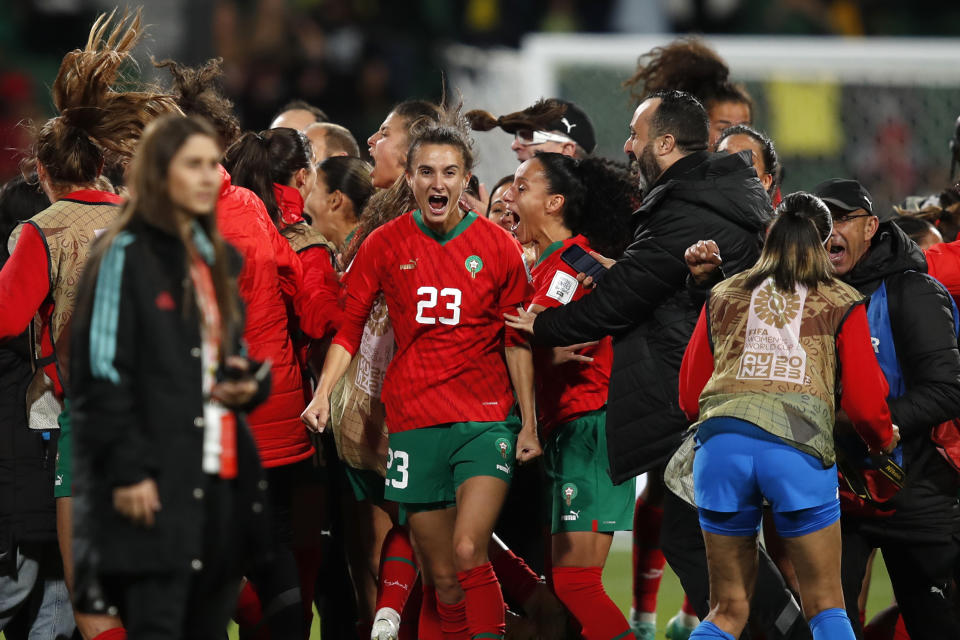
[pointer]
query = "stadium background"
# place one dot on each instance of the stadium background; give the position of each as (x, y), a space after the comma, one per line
(867, 89)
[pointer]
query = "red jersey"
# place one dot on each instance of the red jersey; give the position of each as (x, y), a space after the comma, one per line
(573, 388)
(446, 297)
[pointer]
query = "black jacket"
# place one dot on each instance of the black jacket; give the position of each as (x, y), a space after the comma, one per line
(27, 511)
(921, 318)
(145, 418)
(644, 304)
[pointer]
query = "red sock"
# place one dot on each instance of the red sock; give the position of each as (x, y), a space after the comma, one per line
(580, 589)
(249, 611)
(484, 601)
(900, 630)
(453, 620)
(398, 570)
(429, 626)
(687, 608)
(117, 633)
(518, 580)
(648, 560)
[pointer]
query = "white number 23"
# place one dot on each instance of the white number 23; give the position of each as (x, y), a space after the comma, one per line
(427, 299)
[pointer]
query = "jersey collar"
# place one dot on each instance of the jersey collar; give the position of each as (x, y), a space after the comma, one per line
(450, 235)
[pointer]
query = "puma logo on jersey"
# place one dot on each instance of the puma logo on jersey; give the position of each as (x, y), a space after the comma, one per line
(572, 516)
(410, 264)
(503, 467)
(567, 124)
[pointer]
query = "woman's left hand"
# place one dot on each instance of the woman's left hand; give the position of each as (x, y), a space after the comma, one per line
(239, 391)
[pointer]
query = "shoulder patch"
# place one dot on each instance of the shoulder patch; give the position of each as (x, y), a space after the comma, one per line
(562, 287)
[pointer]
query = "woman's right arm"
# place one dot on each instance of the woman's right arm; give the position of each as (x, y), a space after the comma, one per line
(24, 282)
(864, 387)
(361, 285)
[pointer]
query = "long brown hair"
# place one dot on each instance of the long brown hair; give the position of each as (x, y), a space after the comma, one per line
(392, 202)
(99, 124)
(150, 202)
(686, 64)
(794, 251)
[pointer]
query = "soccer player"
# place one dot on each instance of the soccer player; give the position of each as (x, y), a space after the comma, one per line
(447, 279)
(549, 195)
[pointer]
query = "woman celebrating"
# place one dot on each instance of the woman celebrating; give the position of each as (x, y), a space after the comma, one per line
(549, 195)
(166, 472)
(446, 279)
(762, 363)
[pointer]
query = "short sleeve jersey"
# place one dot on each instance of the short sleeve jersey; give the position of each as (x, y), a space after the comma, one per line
(571, 389)
(447, 296)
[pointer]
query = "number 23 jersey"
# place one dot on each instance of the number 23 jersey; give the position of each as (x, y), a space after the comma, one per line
(446, 296)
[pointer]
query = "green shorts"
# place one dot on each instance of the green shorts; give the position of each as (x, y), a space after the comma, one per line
(367, 485)
(64, 465)
(582, 496)
(426, 466)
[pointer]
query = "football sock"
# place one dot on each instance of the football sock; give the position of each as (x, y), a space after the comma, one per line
(453, 620)
(831, 624)
(580, 589)
(648, 560)
(429, 625)
(516, 577)
(398, 570)
(484, 602)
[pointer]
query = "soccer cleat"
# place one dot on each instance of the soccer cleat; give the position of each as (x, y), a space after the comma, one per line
(643, 625)
(680, 626)
(386, 625)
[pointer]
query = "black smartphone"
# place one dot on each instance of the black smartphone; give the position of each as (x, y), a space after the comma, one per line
(473, 187)
(582, 262)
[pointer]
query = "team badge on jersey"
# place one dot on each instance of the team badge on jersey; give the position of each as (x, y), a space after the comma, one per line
(473, 265)
(569, 492)
(503, 446)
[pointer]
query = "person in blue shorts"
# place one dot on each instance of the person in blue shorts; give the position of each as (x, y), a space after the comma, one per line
(761, 375)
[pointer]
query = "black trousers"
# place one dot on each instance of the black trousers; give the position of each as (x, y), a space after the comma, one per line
(773, 609)
(921, 574)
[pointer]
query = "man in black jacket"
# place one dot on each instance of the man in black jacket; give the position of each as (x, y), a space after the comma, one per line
(917, 530)
(644, 304)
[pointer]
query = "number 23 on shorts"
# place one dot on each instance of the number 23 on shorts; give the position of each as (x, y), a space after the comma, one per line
(402, 461)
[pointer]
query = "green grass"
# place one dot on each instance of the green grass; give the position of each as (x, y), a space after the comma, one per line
(617, 580)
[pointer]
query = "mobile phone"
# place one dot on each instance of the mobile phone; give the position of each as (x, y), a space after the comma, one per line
(473, 187)
(582, 262)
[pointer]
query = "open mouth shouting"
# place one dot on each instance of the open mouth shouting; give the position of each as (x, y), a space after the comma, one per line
(438, 204)
(837, 254)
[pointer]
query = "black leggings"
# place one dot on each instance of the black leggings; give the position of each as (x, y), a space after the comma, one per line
(921, 574)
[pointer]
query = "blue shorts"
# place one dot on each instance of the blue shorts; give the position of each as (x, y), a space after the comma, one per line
(738, 464)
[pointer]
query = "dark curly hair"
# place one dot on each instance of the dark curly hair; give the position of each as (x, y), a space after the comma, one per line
(197, 94)
(686, 64)
(600, 196)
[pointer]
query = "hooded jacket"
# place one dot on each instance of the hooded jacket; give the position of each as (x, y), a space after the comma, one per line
(271, 275)
(921, 319)
(644, 304)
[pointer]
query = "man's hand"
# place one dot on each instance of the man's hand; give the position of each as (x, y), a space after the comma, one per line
(587, 281)
(523, 321)
(528, 444)
(139, 502)
(563, 355)
(702, 259)
(317, 413)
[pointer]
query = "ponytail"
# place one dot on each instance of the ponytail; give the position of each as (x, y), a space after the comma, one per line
(259, 160)
(794, 252)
